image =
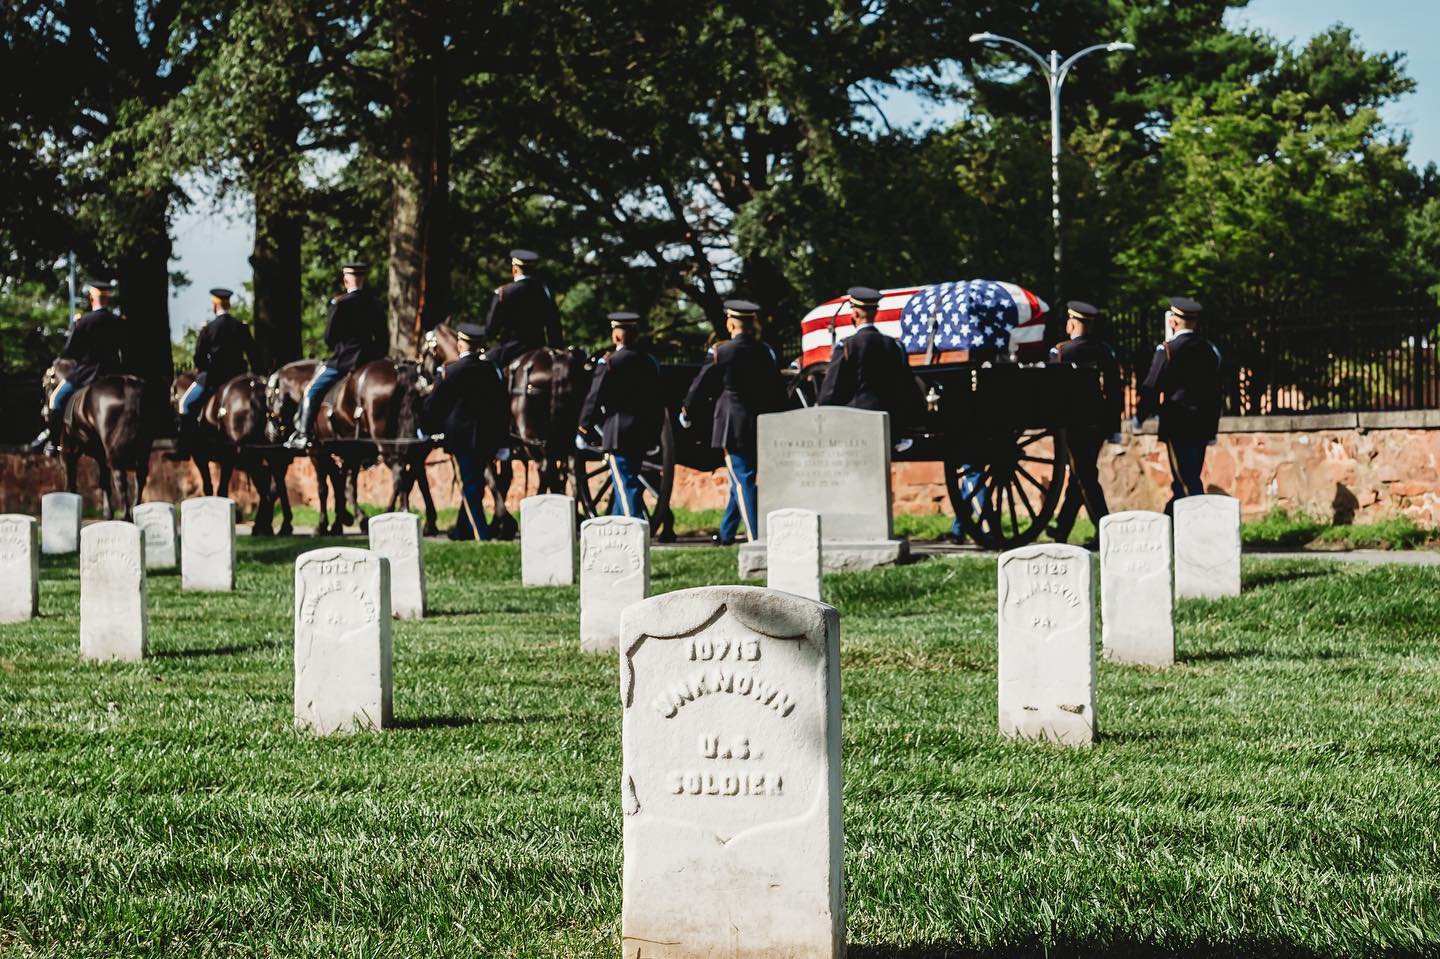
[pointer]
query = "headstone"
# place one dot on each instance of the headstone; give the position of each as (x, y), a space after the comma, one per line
(207, 544)
(113, 624)
(1047, 644)
(793, 559)
(834, 460)
(1207, 547)
(1137, 600)
(342, 640)
(396, 536)
(158, 523)
(19, 567)
(60, 522)
(614, 572)
(547, 540)
(731, 781)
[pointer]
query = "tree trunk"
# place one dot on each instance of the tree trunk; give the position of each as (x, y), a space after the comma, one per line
(275, 261)
(143, 269)
(419, 275)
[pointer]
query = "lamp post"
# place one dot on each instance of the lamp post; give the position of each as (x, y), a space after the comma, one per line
(1054, 71)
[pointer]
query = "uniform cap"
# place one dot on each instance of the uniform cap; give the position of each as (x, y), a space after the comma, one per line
(741, 308)
(1184, 307)
(624, 319)
(356, 268)
(470, 331)
(220, 293)
(1081, 310)
(524, 257)
(104, 286)
(864, 296)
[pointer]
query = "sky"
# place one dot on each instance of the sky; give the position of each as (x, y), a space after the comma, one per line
(212, 246)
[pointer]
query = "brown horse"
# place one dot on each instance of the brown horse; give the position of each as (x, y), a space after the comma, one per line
(106, 421)
(284, 392)
(234, 431)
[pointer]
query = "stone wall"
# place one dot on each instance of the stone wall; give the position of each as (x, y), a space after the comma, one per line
(1350, 468)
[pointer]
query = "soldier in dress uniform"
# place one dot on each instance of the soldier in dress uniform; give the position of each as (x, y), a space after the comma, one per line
(742, 377)
(623, 402)
(1086, 348)
(869, 370)
(1183, 386)
(223, 349)
(523, 315)
(356, 333)
(467, 406)
(95, 344)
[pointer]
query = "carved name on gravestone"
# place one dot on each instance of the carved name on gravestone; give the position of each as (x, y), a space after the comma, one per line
(836, 461)
(547, 540)
(207, 544)
(19, 567)
(1207, 546)
(60, 522)
(1047, 644)
(113, 624)
(614, 572)
(159, 526)
(396, 536)
(342, 640)
(1137, 588)
(731, 780)
(793, 561)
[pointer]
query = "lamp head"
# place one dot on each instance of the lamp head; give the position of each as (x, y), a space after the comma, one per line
(984, 37)
(1119, 46)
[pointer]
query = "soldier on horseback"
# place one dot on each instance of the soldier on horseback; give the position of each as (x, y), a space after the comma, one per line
(94, 345)
(223, 350)
(356, 333)
(523, 315)
(623, 397)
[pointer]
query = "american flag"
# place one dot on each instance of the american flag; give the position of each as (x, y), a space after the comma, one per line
(966, 315)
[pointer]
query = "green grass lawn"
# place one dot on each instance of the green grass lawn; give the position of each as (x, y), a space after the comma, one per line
(1274, 794)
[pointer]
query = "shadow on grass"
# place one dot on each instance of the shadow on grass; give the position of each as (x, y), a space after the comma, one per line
(1264, 578)
(435, 722)
(208, 651)
(1107, 950)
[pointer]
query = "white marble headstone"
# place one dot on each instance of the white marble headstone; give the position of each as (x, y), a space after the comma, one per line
(614, 572)
(396, 536)
(1137, 603)
(158, 523)
(547, 540)
(1207, 546)
(832, 459)
(19, 567)
(342, 640)
(731, 781)
(793, 558)
(113, 623)
(207, 544)
(1046, 600)
(60, 522)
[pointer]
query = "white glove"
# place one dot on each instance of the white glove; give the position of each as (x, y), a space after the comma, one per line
(684, 419)
(580, 441)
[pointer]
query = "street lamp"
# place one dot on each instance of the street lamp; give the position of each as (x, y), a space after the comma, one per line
(1055, 72)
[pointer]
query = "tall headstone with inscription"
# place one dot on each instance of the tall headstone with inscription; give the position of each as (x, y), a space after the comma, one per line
(207, 544)
(793, 556)
(342, 640)
(731, 780)
(1137, 594)
(1207, 546)
(60, 522)
(113, 624)
(1046, 599)
(547, 540)
(614, 572)
(834, 460)
(396, 536)
(19, 568)
(157, 523)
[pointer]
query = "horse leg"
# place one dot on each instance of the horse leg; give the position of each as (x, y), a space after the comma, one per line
(502, 525)
(399, 487)
(227, 469)
(322, 491)
(107, 489)
(72, 472)
(279, 467)
(265, 508)
(352, 490)
(339, 481)
(423, 481)
(203, 465)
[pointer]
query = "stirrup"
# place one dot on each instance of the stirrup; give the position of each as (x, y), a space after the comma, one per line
(296, 441)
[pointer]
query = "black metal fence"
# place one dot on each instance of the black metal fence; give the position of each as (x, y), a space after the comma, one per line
(1305, 358)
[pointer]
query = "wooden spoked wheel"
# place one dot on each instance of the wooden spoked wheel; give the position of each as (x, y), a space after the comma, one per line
(1009, 493)
(595, 485)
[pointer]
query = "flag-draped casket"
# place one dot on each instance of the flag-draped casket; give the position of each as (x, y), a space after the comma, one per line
(966, 315)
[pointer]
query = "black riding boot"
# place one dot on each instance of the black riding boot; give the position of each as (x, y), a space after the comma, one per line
(50, 438)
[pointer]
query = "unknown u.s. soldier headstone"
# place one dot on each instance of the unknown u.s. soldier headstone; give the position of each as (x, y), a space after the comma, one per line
(547, 540)
(113, 623)
(19, 567)
(342, 640)
(158, 524)
(207, 544)
(1047, 644)
(60, 522)
(1137, 588)
(614, 572)
(793, 558)
(396, 536)
(731, 780)
(1207, 546)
